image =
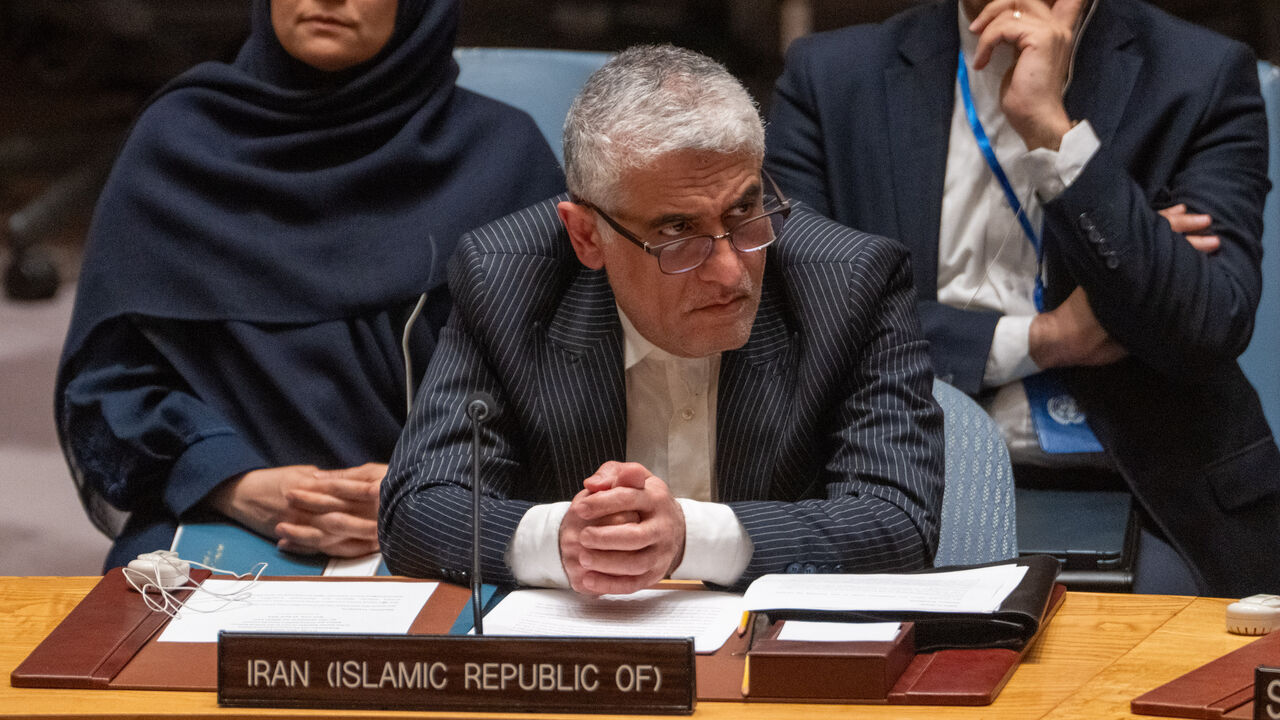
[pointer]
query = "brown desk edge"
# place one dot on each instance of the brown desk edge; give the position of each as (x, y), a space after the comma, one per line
(125, 654)
(1222, 688)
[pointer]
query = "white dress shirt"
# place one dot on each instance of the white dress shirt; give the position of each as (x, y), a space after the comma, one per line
(671, 430)
(985, 262)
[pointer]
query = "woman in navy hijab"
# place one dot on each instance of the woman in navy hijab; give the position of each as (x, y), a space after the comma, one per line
(252, 264)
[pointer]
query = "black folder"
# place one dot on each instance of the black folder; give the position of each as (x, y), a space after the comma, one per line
(1011, 626)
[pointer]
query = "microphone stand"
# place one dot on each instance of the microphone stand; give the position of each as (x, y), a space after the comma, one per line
(479, 407)
(591, 675)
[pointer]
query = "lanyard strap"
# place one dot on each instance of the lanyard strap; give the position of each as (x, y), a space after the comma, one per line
(962, 74)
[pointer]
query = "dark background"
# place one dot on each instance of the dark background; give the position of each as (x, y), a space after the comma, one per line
(74, 72)
(747, 35)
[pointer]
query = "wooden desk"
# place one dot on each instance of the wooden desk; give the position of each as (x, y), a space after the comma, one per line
(1100, 652)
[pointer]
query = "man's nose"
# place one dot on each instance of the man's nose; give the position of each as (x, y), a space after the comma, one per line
(724, 264)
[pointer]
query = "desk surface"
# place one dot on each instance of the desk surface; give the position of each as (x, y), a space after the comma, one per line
(1100, 651)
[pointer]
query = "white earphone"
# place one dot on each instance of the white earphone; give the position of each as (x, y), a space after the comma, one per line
(162, 572)
(159, 570)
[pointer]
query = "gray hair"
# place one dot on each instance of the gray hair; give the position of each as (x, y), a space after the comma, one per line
(648, 101)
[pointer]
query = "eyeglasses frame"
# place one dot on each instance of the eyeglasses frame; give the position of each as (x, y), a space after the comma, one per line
(655, 250)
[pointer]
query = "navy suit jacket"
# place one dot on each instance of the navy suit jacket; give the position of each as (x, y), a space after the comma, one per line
(828, 440)
(859, 129)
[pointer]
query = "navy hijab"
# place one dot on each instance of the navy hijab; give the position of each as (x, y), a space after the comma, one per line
(266, 192)
(222, 203)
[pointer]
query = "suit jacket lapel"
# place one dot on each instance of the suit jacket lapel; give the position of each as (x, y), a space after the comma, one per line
(1104, 73)
(583, 393)
(920, 90)
(757, 383)
(1102, 81)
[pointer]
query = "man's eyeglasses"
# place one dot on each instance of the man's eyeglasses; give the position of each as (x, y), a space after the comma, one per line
(756, 232)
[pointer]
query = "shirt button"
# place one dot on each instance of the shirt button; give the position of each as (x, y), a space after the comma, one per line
(687, 413)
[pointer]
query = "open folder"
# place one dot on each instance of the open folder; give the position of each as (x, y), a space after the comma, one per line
(233, 547)
(1011, 623)
(109, 641)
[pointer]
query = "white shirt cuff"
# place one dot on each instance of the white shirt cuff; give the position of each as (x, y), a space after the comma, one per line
(1010, 355)
(534, 552)
(717, 548)
(1063, 166)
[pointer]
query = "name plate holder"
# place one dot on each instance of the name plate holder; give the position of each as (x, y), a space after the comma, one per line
(458, 673)
(1266, 693)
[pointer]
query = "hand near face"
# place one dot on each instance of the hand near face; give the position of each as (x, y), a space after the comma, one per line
(334, 512)
(1042, 35)
(623, 532)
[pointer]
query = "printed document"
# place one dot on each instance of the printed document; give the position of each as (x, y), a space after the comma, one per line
(297, 606)
(812, 631)
(975, 590)
(707, 617)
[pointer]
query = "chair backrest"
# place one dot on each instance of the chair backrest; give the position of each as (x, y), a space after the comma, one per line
(978, 507)
(540, 82)
(1259, 360)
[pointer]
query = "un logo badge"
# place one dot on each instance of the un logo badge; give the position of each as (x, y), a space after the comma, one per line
(1064, 411)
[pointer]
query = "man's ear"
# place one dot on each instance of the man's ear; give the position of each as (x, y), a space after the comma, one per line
(580, 221)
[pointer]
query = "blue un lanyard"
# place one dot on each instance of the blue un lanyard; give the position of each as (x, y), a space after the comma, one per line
(962, 74)
(1060, 426)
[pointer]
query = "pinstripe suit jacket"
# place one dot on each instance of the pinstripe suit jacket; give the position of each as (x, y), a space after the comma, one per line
(828, 447)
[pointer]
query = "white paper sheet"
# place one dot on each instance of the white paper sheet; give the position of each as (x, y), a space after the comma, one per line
(708, 617)
(298, 606)
(978, 590)
(807, 631)
(363, 566)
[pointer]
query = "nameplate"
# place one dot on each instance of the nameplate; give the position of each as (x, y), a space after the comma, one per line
(454, 672)
(1266, 693)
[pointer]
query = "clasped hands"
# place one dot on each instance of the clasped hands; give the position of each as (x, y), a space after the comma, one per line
(308, 510)
(623, 532)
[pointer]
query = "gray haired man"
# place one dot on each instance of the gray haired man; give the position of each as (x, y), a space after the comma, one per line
(694, 379)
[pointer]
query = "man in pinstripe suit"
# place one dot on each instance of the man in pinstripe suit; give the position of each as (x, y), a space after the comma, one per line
(679, 395)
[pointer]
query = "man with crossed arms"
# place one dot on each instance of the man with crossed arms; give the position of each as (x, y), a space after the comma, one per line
(1134, 146)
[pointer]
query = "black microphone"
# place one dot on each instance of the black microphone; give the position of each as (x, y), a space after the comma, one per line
(480, 407)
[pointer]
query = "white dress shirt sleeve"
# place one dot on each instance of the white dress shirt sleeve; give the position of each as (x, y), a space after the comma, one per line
(1010, 355)
(1009, 358)
(534, 552)
(1063, 166)
(716, 546)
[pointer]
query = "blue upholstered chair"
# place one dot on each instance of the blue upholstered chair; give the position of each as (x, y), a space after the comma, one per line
(1260, 359)
(540, 82)
(978, 523)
